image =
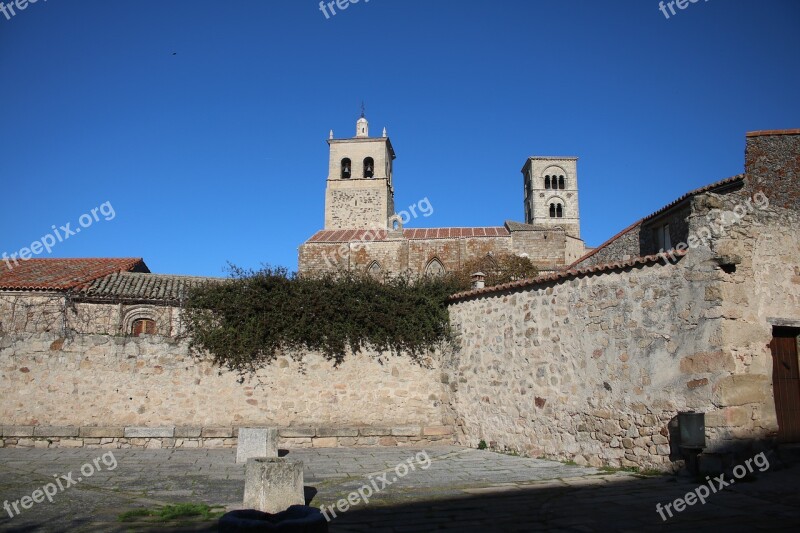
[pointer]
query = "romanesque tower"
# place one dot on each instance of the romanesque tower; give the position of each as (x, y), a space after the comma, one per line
(359, 194)
(551, 193)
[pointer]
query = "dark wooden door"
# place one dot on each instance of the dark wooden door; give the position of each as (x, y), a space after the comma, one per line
(786, 383)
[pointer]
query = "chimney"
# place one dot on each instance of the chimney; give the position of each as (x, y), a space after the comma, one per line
(772, 166)
(478, 280)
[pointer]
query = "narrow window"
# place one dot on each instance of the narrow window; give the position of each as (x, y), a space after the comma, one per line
(369, 167)
(552, 210)
(143, 326)
(559, 211)
(547, 182)
(345, 169)
(561, 182)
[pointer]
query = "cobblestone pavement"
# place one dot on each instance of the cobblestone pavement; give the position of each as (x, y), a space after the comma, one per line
(463, 489)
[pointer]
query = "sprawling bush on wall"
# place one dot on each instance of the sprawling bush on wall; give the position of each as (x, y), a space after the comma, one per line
(247, 321)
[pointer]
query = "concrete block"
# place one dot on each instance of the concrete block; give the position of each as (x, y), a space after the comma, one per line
(149, 433)
(188, 432)
(257, 442)
(272, 484)
(17, 431)
(298, 432)
(337, 432)
(56, 431)
(103, 432)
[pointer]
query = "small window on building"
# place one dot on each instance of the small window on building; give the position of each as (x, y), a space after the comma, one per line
(662, 238)
(561, 182)
(552, 210)
(346, 169)
(547, 182)
(369, 167)
(559, 211)
(143, 326)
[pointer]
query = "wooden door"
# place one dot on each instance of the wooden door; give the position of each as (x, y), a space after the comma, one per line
(786, 383)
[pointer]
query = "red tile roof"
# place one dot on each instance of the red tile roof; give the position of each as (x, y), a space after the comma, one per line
(411, 234)
(62, 274)
(772, 132)
(721, 184)
(568, 274)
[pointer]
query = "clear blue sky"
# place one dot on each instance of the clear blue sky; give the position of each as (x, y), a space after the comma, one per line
(204, 123)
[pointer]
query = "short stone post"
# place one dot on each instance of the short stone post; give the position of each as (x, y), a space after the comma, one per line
(256, 442)
(272, 485)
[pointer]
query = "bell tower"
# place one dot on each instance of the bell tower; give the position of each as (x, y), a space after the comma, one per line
(359, 193)
(551, 193)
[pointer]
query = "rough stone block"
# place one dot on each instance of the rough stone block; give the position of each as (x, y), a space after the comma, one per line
(437, 431)
(102, 432)
(742, 389)
(256, 442)
(188, 432)
(297, 432)
(17, 431)
(407, 431)
(337, 432)
(56, 431)
(374, 432)
(272, 485)
(325, 442)
(218, 433)
(149, 433)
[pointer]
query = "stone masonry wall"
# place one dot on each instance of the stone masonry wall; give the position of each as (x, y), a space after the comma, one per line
(91, 383)
(594, 368)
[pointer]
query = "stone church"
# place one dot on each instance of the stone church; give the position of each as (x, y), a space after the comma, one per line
(363, 232)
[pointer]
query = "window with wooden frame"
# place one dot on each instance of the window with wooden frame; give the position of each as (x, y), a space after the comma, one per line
(143, 326)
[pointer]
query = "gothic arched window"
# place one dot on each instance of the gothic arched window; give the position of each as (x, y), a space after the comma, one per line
(374, 269)
(561, 182)
(435, 268)
(559, 211)
(547, 182)
(346, 168)
(369, 167)
(552, 210)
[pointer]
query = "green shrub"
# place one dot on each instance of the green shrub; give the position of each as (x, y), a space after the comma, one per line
(250, 319)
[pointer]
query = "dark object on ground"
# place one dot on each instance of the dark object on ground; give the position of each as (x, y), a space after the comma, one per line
(296, 519)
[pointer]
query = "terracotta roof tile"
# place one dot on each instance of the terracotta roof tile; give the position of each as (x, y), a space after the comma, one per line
(63, 274)
(142, 287)
(411, 234)
(564, 275)
(721, 184)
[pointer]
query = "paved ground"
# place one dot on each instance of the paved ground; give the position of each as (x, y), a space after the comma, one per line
(461, 489)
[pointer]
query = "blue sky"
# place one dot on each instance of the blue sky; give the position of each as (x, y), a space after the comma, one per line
(203, 123)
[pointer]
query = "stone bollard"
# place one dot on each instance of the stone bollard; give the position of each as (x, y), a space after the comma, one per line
(256, 442)
(273, 485)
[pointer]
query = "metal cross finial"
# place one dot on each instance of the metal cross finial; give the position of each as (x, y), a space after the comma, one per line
(363, 110)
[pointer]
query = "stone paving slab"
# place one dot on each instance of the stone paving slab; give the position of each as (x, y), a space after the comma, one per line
(462, 490)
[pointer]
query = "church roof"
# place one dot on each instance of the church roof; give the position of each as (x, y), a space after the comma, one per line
(62, 274)
(350, 235)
